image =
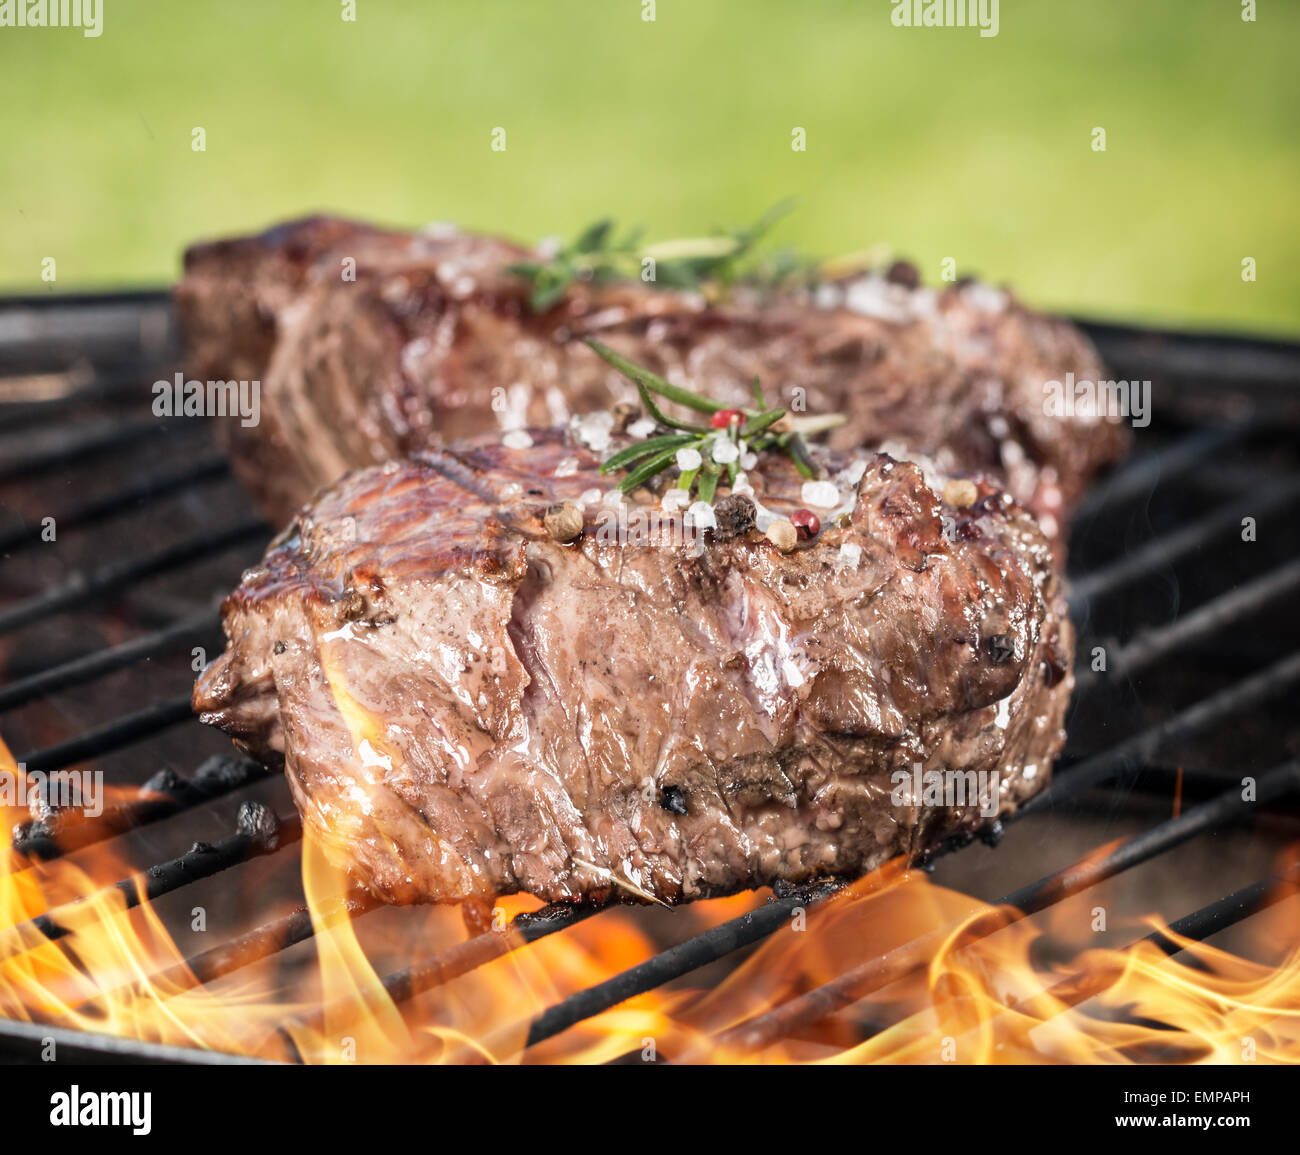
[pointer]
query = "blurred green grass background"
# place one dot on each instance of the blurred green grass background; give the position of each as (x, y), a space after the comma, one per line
(937, 141)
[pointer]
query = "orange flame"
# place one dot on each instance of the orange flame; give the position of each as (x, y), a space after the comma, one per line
(918, 974)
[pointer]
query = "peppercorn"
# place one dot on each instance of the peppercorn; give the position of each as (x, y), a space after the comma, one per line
(783, 535)
(806, 523)
(563, 521)
(734, 516)
(725, 418)
(673, 799)
(625, 412)
(1001, 649)
(960, 493)
(903, 273)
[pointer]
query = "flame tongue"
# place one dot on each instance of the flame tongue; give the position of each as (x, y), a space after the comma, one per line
(894, 969)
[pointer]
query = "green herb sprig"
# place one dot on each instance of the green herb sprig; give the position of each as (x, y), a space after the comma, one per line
(764, 429)
(596, 255)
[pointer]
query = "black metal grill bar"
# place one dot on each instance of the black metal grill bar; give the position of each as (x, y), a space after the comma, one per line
(1078, 988)
(1073, 990)
(483, 948)
(1151, 645)
(1229, 910)
(1170, 547)
(1225, 361)
(404, 985)
(165, 484)
(258, 833)
(115, 576)
(165, 794)
(236, 953)
(28, 392)
(711, 945)
(121, 731)
(1226, 704)
(106, 661)
(1144, 473)
(815, 1005)
(94, 443)
(20, 414)
(74, 1046)
(1227, 807)
(268, 939)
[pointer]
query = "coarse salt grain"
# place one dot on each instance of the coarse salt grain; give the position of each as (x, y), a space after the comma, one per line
(701, 515)
(748, 460)
(725, 451)
(589, 497)
(828, 296)
(689, 459)
(875, 297)
(924, 302)
(675, 499)
(567, 468)
(850, 555)
(517, 439)
(985, 298)
(643, 427)
(593, 430)
(822, 494)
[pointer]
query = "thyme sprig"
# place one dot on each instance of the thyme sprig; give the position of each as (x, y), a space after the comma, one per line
(761, 429)
(598, 255)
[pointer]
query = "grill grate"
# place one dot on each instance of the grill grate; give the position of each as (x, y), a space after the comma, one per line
(1229, 399)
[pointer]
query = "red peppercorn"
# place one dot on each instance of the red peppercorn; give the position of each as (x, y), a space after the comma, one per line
(806, 523)
(725, 417)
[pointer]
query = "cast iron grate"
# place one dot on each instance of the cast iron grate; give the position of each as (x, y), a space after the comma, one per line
(1222, 445)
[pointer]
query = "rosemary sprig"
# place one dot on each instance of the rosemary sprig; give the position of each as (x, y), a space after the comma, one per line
(762, 429)
(597, 255)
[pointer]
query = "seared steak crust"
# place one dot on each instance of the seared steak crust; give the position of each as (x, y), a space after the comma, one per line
(466, 707)
(374, 344)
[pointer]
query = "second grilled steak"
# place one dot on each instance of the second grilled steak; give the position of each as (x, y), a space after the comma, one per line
(374, 344)
(467, 706)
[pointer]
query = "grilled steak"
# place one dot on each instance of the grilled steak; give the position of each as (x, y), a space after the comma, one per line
(372, 344)
(468, 707)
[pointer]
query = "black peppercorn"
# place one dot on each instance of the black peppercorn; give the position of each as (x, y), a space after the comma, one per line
(903, 273)
(673, 799)
(1001, 649)
(734, 516)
